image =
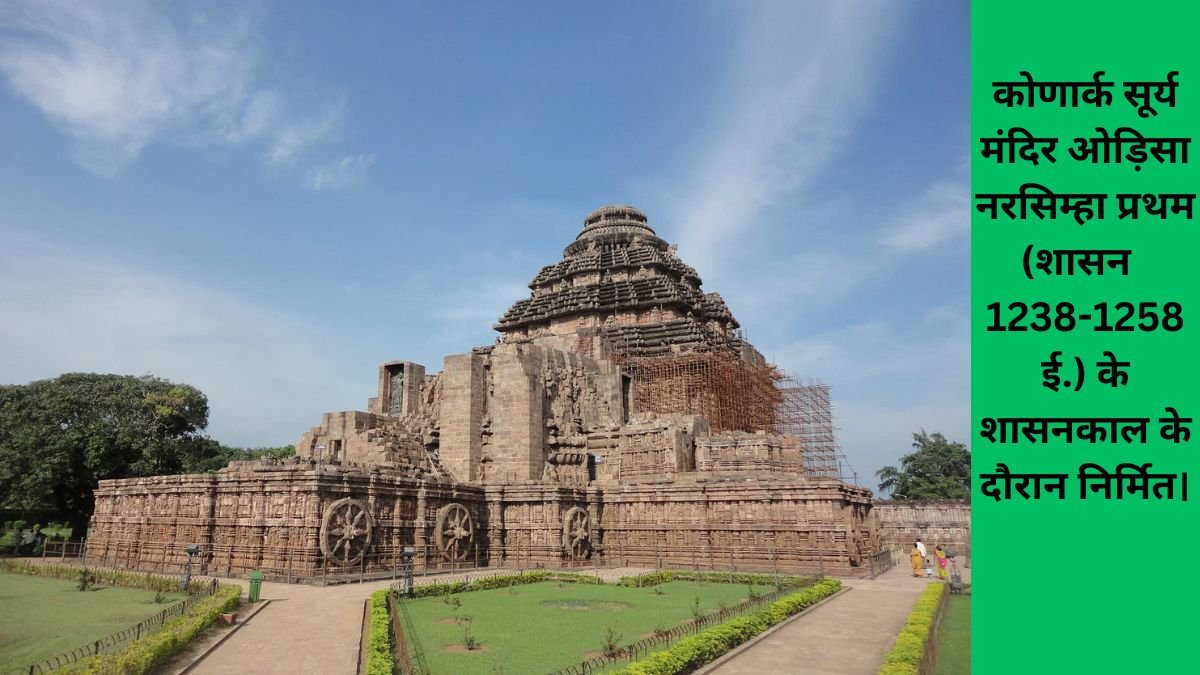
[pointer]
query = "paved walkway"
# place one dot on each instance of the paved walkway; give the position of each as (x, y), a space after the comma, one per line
(848, 635)
(313, 629)
(304, 629)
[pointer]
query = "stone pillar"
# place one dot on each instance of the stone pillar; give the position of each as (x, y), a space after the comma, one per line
(518, 415)
(463, 401)
(495, 526)
(420, 541)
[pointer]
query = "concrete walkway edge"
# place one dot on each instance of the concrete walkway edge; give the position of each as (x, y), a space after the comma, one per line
(736, 651)
(217, 643)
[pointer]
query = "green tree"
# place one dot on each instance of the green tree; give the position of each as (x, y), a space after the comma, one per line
(216, 456)
(59, 437)
(938, 469)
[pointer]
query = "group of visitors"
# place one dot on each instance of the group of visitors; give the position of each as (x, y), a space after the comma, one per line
(920, 560)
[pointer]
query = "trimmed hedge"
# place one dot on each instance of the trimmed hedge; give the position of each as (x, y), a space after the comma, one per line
(905, 656)
(664, 576)
(704, 647)
(501, 581)
(144, 655)
(106, 577)
(380, 648)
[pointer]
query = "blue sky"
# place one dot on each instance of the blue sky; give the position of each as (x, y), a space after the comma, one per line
(268, 200)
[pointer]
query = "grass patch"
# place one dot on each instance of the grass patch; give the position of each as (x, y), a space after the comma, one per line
(954, 649)
(43, 617)
(549, 626)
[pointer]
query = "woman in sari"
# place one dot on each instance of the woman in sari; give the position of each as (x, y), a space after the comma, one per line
(918, 561)
(942, 562)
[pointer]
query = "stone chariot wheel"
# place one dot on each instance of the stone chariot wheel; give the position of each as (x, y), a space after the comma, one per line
(346, 532)
(454, 532)
(577, 542)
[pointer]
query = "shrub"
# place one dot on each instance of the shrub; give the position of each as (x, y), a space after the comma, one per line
(143, 656)
(502, 581)
(379, 640)
(468, 640)
(105, 577)
(704, 647)
(611, 647)
(85, 579)
(664, 576)
(905, 655)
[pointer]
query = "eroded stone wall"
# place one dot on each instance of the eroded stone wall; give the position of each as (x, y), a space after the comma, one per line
(805, 526)
(270, 518)
(945, 523)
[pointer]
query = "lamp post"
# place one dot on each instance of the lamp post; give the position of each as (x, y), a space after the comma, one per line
(320, 453)
(406, 557)
(192, 550)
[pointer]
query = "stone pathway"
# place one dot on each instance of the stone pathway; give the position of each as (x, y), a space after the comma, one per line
(848, 635)
(313, 629)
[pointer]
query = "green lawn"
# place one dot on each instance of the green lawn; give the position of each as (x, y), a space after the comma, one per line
(954, 651)
(547, 626)
(42, 617)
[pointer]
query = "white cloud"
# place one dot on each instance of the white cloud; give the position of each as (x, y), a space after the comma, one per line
(940, 215)
(889, 381)
(807, 75)
(120, 76)
(338, 173)
(268, 374)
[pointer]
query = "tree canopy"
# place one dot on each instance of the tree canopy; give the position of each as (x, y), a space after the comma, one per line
(938, 469)
(214, 456)
(59, 437)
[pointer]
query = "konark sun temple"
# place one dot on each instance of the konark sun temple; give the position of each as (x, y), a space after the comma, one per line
(620, 418)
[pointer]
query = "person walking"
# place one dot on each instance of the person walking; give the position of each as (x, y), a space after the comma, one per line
(917, 560)
(942, 562)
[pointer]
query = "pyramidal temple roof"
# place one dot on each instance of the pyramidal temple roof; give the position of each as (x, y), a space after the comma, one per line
(621, 278)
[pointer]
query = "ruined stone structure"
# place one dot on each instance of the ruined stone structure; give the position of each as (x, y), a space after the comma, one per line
(621, 417)
(936, 522)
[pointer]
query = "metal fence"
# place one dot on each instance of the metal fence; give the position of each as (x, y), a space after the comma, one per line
(642, 648)
(402, 625)
(121, 638)
(64, 549)
(883, 561)
(928, 664)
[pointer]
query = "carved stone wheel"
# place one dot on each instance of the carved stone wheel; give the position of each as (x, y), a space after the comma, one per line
(454, 532)
(346, 532)
(577, 541)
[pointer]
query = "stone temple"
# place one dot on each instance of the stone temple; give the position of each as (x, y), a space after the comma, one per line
(620, 418)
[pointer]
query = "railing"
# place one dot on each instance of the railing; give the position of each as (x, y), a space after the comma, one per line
(64, 549)
(884, 560)
(400, 615)
(641, 648)
(119, 639)
(929, 658)
(397, 588)
(283, 563)
(277, 563)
